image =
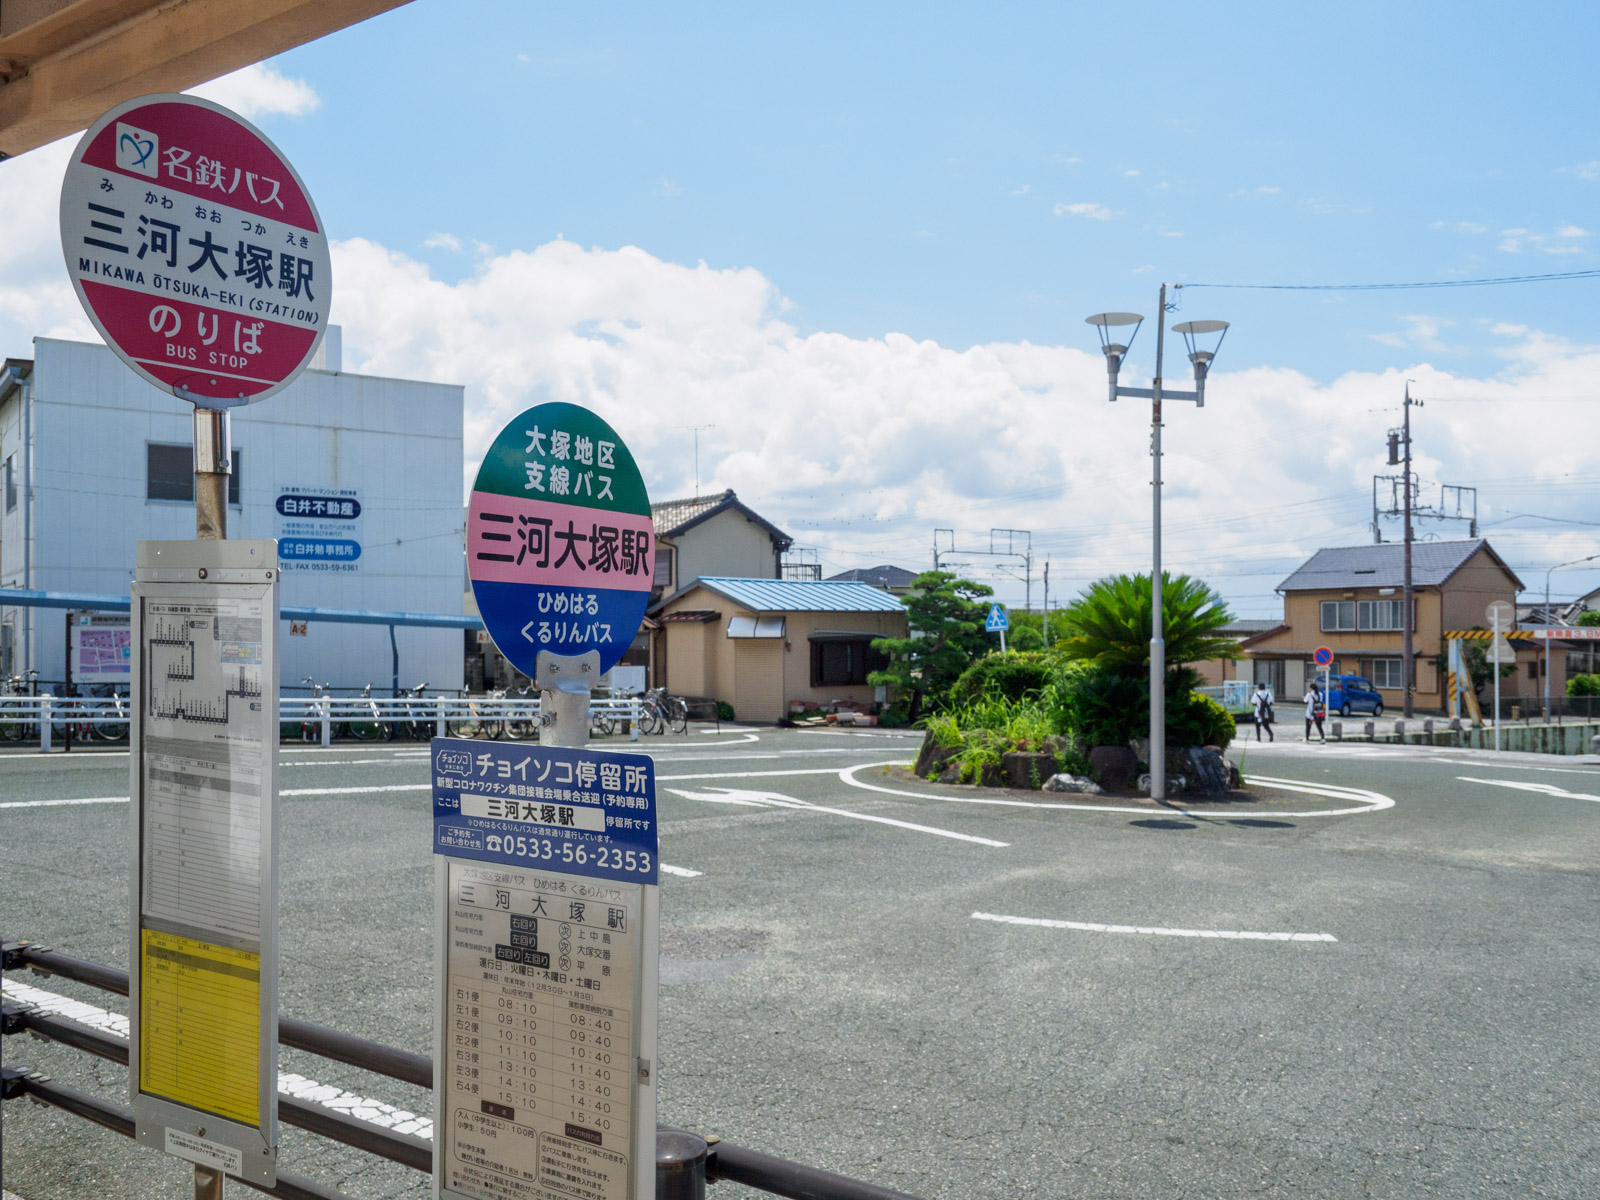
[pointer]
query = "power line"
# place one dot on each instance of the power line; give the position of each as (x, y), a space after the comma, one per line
(1395, 287)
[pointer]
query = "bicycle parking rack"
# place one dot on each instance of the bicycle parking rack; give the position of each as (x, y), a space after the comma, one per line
(685, 1162)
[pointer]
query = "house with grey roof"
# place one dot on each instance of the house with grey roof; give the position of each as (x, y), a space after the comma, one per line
(713, 535)
(896, 580)
(765, 644)
(1349, 599)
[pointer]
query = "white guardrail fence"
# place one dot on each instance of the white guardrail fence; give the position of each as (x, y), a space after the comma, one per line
(49, 720)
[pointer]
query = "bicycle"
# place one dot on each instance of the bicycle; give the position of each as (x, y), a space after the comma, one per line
(519, 728)
(311, 727)
(14, 727)
(103, 725)
(418, 727)
(366, 731)
(471, 725)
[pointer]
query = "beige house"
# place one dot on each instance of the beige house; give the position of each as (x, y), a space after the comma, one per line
(713, 535)
(760, 644)
(1349, 599)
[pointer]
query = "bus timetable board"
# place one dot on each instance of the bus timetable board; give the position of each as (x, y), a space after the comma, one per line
(546, 942)
(202, 994)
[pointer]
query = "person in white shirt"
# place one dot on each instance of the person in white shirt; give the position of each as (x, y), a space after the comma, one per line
(1315, 710)
(1263, 711)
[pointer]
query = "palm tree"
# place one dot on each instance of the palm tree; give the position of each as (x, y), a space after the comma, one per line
(1110, 623)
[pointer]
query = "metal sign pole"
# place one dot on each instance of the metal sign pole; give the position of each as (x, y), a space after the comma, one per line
(1495, 618)
(213, 464)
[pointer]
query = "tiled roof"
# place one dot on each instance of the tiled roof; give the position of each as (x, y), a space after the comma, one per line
(1384, 566)
(691, 616)
(672, 517)
(795, 595)
(881, 576)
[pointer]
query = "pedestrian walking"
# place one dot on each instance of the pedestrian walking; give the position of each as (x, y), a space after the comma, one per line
(1263, 712)
(1316, 709)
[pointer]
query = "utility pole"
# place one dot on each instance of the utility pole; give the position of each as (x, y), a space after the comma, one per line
(1409, 669)
(1047, 604)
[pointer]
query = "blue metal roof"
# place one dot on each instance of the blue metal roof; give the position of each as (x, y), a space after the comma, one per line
(796, 595)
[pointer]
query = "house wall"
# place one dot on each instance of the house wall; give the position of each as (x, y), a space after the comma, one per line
(1471, 590)
(727, 544)
(398, 443)
(797, 658)
(760, 676)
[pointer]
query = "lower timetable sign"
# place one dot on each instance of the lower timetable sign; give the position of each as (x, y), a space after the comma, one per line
(547, 932)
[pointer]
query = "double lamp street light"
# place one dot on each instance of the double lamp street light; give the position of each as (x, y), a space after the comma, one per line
(1116, 352)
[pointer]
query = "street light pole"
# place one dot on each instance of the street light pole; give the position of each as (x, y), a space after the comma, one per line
(1156, 393)
(1158, 645)
(1548, 623)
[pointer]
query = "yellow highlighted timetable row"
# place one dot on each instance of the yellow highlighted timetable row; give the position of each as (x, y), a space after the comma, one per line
(199, 1025)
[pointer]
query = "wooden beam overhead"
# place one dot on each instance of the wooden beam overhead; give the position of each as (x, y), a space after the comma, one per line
(64, 62)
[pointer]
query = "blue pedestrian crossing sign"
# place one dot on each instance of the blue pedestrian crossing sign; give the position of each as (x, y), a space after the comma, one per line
(997, 622)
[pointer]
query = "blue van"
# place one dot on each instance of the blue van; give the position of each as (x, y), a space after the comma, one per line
(1353, 694)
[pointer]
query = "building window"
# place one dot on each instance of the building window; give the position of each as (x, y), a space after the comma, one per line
(1338, 615)
(1533, 668)
(663, 566)
(1379, 614)
(169, 473)
(11, 483)
(841, 663)
(1385, 672)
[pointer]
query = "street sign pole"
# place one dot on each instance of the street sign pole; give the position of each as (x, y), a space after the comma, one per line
(1494, 614)
(1501, 615)
(196, 251)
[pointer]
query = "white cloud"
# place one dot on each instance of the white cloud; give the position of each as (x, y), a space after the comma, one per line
(668, 189)
(1062, 158)
(443, 241)
(1131, 174)
(1020, 191)
(862, 446)
(260, 90)
(1095, 212)
(1566, 240)
(1588, 170)
(1459, 226)
(1422, 332)
(1143, 269)
(523, 58)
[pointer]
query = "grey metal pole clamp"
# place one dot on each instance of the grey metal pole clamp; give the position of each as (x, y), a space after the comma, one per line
(565, 682)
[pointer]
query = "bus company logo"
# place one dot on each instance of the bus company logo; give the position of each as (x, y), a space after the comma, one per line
(454, 762)
(138, 151)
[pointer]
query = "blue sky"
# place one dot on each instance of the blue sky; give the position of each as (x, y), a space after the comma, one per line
(860, 241)
(899, 167)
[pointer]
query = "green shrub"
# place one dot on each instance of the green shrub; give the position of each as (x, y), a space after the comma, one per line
(1010, 675)
(1584, 685)
(724, 711)
(1105, 707)
(1202, 722)
(944, 729)
(984, 750)
(890, 719)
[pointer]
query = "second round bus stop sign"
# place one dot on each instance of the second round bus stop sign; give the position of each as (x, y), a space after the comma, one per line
(560, 542)
(195, 249)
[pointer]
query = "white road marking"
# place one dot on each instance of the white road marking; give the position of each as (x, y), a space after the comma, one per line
(764, 774)
(683, 871)
(374, 1112)
(1372, 801)
(357, 791)
(58, 803)
(1543, 789)
(776, 800)
(1236, 935)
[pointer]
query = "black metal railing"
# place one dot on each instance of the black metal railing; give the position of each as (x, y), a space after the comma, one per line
(685, 1162)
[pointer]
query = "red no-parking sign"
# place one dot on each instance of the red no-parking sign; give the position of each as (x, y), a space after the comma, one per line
(195, 249)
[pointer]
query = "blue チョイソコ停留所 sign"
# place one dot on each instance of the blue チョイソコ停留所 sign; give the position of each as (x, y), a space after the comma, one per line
(560, 542)
(997, 621)
(550, 808)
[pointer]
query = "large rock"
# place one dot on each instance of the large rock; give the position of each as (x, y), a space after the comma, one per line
(1073, 783)
(1207, 772)
(1176, 784)
(932, 759)
(1027, 768)
(1113, 767)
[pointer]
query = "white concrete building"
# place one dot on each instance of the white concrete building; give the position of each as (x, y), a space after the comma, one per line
(358, 477)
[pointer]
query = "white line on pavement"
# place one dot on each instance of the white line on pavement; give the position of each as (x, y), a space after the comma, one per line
(763, 774)
(374, 1112)
(1235, 935)
(1543, 789)
(1373, 801)
(58, 803)
(683, 871)
(776, 800)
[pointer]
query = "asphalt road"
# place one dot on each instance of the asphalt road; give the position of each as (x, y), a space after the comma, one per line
(965, 999)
